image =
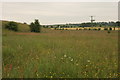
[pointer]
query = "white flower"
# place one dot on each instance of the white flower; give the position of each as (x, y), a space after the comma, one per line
(86, 65)
(61, 58)
(77, 64)
(71, 59)
(65, 55)
(88, 60)
(37, 74)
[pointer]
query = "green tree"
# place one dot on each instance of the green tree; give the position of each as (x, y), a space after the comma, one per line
(32, 27)
(12, 26)
(118, 23)
(35, 27)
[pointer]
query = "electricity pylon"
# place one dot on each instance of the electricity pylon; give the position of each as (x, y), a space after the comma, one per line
(92, 20)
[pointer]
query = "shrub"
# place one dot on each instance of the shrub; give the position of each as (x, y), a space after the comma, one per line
(108, 31)
(99, 29)
(95, 29)
(55, 28)
(105, 28)
(110, 28)
(77, 29)
(24, 23)
(35, 27)
(12, 26)
(118, 23)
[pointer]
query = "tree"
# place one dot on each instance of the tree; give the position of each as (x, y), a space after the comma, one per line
(35, 27)
(118, 23)
(32, 27)
(12, 26)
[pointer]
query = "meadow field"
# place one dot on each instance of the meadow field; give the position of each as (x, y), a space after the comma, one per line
(60, 54)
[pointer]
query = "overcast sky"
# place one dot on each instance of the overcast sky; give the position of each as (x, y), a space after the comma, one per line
(59, 12)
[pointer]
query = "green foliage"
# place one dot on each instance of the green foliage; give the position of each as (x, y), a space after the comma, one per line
(12, 26)
(35, 27)
(21, 27)
(99, 29)
(110, 28)
(108, 31)
(118, 23)
(86, 24)
(105, 28)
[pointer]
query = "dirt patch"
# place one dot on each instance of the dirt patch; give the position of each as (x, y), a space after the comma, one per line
(28, 33)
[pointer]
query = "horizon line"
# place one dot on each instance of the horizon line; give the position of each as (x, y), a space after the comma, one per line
(60, 23)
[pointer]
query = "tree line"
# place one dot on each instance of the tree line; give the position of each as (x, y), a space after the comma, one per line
(36, 27)
(88, 24)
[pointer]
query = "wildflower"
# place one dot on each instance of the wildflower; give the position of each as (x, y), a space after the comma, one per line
(88, 60)
(51, 76)
(61, 58)
(77, 64)
(86, 65)
(65, 55)
(10, 67)
(37, 74)
(71, 59)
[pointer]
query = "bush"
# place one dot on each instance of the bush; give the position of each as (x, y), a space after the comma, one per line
(99, 29)
(118, 23)
(76, 28)
(105, 28)
(108, 31)
(35, 27)
(12, 26)
(110, 28)
(24, 23)
(55, 28)
(95, 29)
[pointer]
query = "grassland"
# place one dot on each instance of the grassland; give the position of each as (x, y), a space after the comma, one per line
(21, 27)
(60, 54)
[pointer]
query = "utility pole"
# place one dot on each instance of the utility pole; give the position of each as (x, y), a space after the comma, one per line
(92, 19)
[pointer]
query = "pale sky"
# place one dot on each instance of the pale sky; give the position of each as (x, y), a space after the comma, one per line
(59, 12)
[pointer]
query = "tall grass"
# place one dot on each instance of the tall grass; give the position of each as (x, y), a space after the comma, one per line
(61, 54)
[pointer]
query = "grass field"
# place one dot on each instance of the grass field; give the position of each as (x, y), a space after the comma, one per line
(60, 54)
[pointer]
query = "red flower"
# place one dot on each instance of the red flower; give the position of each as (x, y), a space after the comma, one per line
(10, 67)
